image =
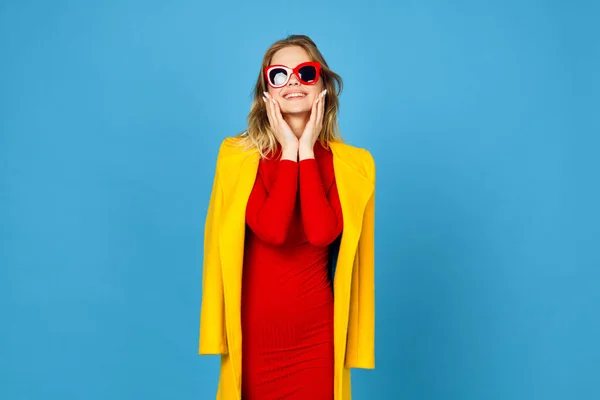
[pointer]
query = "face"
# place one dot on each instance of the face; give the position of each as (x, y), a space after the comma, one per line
(291, 56)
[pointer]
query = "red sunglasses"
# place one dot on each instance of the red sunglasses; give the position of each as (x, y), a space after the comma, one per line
(307, 73)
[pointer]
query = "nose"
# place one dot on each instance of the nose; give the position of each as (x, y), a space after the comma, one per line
(293, 80)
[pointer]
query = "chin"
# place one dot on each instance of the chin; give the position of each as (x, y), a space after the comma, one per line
(296, 109)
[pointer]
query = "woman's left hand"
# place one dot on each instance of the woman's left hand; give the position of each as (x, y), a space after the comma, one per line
(314, 125)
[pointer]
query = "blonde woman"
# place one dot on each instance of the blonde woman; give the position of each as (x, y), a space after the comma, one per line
(288, 280)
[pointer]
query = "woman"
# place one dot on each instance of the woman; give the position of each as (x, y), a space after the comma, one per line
(288, 280)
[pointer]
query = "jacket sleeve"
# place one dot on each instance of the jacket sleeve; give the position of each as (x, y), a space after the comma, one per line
(213, 337)
(361, 329)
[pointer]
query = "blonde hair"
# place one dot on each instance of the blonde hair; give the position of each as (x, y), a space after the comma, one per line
(258, 134)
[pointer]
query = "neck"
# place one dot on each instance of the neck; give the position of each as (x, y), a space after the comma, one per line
(297, 122)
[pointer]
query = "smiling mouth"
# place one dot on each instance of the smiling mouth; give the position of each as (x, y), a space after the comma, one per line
(295, 96)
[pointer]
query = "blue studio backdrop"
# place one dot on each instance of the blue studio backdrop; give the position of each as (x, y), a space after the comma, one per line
(483, 118)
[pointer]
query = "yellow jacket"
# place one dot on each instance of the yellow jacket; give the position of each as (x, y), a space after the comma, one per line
(354, 297)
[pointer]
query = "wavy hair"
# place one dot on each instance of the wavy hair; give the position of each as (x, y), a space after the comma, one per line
(258, 134)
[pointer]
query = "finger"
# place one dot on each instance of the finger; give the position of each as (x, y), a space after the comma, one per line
(271, 107)
(277, 110)
(276, 118)
(321, 111)
(268, 109)
(273, 124)
(313, 110)
(280, 121)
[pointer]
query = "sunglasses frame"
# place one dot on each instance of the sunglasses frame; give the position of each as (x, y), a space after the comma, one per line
(295, 71)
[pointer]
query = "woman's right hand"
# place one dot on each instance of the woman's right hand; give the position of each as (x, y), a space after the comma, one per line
(281, 129)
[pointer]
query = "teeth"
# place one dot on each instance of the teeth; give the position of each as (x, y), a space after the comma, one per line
(295, 95)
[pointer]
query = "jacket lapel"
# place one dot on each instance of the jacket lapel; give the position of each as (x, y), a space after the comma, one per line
(354, 191)
(238, 176)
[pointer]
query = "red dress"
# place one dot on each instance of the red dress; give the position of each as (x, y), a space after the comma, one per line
(292, 215)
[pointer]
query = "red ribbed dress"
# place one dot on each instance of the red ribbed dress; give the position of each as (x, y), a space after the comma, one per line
(292, 215)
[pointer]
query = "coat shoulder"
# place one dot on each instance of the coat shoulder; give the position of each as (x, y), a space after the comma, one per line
(232, 157)
(233, 150)
(231, 145)
(360, 158)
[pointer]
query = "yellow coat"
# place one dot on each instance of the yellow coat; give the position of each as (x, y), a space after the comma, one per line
(354, 297)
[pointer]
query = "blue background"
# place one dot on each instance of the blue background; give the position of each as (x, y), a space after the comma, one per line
(484, 122)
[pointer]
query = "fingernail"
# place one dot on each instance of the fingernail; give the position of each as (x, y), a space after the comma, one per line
(266, 94)
(324, 92)
(264, 99)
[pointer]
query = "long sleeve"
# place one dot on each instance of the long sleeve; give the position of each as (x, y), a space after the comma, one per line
(321, 212)
(269, 213)
(213, 338)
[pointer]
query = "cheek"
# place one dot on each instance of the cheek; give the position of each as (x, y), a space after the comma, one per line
(315, 91)
(319, 87)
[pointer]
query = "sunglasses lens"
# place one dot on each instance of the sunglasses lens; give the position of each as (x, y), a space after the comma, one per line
(308, 73)
(278, 76)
